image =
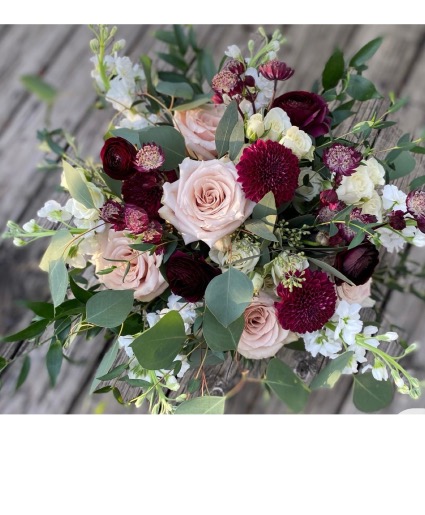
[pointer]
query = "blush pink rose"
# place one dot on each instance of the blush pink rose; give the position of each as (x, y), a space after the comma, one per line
(356, 294)
(207, 202)
(198, 128)
(262, 336)
(143, 276)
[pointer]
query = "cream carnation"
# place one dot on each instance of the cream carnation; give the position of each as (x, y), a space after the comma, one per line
(262, 336)
(143, 275)
(276, 122)
(206, 203)
(376, 172)
(198, 128)
(299, 142)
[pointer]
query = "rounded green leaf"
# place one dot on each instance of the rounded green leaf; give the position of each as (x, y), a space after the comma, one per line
(109, 308)
(361, 88)
(221, 338)
(202, 406)
(370, 395)
(328, 377)
(287, 385)
(365, 53)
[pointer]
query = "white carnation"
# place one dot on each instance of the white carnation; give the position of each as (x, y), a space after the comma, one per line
(356, 188)
(394, 199)
(255, 127)
(391, 240)
(276, 122)
(373, 206)
(299, 142)
(376, 171)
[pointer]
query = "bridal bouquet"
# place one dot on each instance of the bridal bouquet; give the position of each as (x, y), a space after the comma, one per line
(229, 218)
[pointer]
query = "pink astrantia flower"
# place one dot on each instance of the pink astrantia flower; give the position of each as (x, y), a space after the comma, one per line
(149, 158)
(112, 212)
(415, 203)
(342, 159)
(136, 219)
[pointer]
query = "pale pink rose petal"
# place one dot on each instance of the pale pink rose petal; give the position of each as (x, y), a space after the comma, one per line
(356, 294)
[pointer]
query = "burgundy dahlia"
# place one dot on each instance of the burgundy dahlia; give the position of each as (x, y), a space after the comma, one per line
(276, 70)
(227, 83)
(112, 212)
(415, 203)
(136, 219)
(357, 264)
(149, 158)
(307, 111)
(396, 220)
(189, 275)
(117, 156)
(342, 159)
(308, 308)
(268, 166)
(144, 190)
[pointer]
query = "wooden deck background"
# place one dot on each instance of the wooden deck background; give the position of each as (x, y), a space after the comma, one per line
(61, 54)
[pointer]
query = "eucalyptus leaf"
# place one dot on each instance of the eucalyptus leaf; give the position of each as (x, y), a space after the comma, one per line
(370, 395)
(361, 88)
(207, 405)
(225, 128)
(237, 140)
(109, 308)
(33, 330)
(404, 164)
(35, 84)
(58, 281)
(3, 363)
(104, 367)
(59, 247)
(42, 309)
(221, 338)
(366, 52)
(23, 374)
(54, 358)
(265, 209)
(259, 228)
(175, 89)
(287, 385)
(328, 377)
(77, 185)
(115, 372)
(417, 183)
(129, 135)
(330, 270)
(197, 101)
(334, 70)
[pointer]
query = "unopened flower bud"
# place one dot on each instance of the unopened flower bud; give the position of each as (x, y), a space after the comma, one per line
(94, 46)
(118, 45)
(257, 281)
(255, 127)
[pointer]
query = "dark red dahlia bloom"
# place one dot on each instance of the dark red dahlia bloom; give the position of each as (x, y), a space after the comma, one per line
(153, 233)
(189, 275)
(234, 66)
(307, 111)
(268, 166)
(396, 220)
(308, 308)
(356, 214)
(117, 156)
(276, 70)
(149, 158)
(136, 219)
(415, 203)
(357, 264)
(112, 212)
(227, 83)
(342, 159)
(144, 190)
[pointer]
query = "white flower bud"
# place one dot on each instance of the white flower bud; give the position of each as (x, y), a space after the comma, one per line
(276, 122)
(233, 51)
(257, 281)
(255, 127)
(94, 46)
(118, 45)
(390, 336)
(31, 226)
(19, 242)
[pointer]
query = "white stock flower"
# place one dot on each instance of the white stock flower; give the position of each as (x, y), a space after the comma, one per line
(233, 51)
(264, 86)
(315, 183)
(124, 342)
(299, 142)
(391, 240)
(393, 199)
(322, 342)
(54, 212)
(379, 370)
(120, 95)
(133, 121)
(246, 107)
(276, 122)
(242, 254)
(348, 321)
(414, 236)
(356, 188)
(373, 206)
(84, 249)
(84, 217)
(376, 171)
(31, 226)
(255, 127)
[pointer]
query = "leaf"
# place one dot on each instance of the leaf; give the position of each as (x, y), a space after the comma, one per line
(366, 53)
(328, 377)
(237, 140)
(197, 101)
(77, 185)
(135, 383)
(143, 247)
(259, 228)
(109, 308)
(70, 307)
(59, 247)
(3, 363)
(228, 295)
(207, 405)
(193, 385)
(129, 135)
(23, 374)
(104, 366)
(157, 347)
(403, 164)
(115, 372)
(80, 293)
(417, 183)
(206, 65)
(265, 209)
(54, 358)
(221, 338)
(166, 36)
(175, 89)
(357, 240)
(361, 88)
(370, 395)
(42, 309)
(174, 60)
(58, 281)
(330, 270)
(104, 389)
(28, 333)
(334, 70)
(225, 128)
(287, 385)
(181, 38)
(171, 142)
(35, 84)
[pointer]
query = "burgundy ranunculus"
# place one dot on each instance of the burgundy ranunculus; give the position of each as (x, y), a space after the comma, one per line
(144, 190)
(189, 275)
(357, 264)
(117, 156)
(307, 111)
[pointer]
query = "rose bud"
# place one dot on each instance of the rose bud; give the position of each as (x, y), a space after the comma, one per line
(415, 203)
(112, 212)
(396, 220)
(117, 156)
(189, 275)
(136, 219)
(357, 264)
(307, 111)
(276, 70)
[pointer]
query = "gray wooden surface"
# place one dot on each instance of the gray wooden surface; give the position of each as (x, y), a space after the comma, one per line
(61, 55)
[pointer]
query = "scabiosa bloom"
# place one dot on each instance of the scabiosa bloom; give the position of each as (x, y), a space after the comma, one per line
(307, 309)
(415, 203)
(112, 212)
(227, 83)
(149, 158)
(136, 219)
(396, 220)
(276, 70)
(342, 159)
(117, 156)
(357, 264)
(268, 166)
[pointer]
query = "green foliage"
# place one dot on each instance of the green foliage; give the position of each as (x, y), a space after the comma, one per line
(197, 101)
(402, 165)
(23, 374)
(30, 332)
(287, 385)
(330, 270)
(39, 87)
(361, 88)
(225, 128)
(366, 53)
(237, 140)
(202, 406)
(329, 376)
(77, 185)
(264, 218)
(57, 249)
(129, 134)
(115, 372)
(228, 295)
(157, 347)
(54, 358)
(175, 89)
(104, 366)
(109, 308)
(58, 281)
(42, 309)
(171, 142)
(221, 338)
(370, 395)
(80, 293)
(334, 70)
(3, 363)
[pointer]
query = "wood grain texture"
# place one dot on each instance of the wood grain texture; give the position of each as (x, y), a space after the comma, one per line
(61, 55)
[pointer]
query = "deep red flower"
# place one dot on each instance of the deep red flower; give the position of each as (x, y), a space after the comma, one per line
(396, 220)
(308, 308)
(328, 198)
(307, 111)
(144, 190)
(112, 212)
(189, 275)
(342, 159)
(117, 156)
(227, 82)
(276, 70)
(357, 264)
(153, 233)
(136, 219)
(268, 166)
(415, 203)
(234, 66)
(356, 214)
(149, 158)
